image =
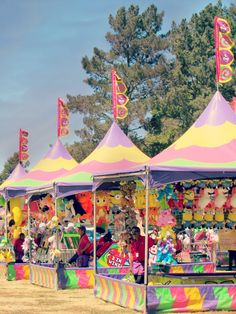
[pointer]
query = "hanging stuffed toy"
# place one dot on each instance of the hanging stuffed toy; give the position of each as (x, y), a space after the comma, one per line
(102, 210)
(139, 199)
(231, 221)
(221, 197)
(187, 217)
(209, 217)
(189, 198)
(206, 198)
(166, 250)
(164, 195)
(86, 202)
(219, 218)
(197, 217)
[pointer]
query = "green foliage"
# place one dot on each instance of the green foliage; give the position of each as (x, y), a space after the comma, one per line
(137, 53)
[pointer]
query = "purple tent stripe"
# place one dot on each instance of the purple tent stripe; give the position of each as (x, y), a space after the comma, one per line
(114, 137)
(216, 113)
(17, 173)
(58, 151)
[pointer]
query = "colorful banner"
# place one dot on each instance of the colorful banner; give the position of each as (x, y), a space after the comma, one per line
(63, 118)
(113, 257)
(23, 145)
(224, 55)
(119, 99)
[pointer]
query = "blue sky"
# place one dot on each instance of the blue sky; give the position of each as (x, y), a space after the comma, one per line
(42, 43)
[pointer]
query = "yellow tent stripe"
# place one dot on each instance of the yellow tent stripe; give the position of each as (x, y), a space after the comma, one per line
(107, 154)
(216, 136)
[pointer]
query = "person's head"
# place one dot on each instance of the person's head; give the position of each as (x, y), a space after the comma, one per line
(135, 232)
(124, 245)
(123, 236)
(11, 222)
(82, 230)
(22, 236)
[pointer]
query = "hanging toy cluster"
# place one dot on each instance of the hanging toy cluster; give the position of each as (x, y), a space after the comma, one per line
(166, 238)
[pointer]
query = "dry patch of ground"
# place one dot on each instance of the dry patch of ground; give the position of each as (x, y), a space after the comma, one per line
(21, 297)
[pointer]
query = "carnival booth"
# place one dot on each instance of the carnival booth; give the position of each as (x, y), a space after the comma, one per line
(115, 151)
(194, 182)
(40, 246)
(13, 223)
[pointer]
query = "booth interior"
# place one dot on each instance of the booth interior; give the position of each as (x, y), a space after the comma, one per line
(55, 233)
(13, 231)
(191, 266)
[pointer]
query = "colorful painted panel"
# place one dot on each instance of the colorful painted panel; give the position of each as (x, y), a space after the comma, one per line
(120, 292)
(191, 298)
(18, 271)
(43, 276)
(3, 270)
(74, 278)
(191, 268)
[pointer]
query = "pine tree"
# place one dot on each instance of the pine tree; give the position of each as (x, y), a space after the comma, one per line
(137, 54)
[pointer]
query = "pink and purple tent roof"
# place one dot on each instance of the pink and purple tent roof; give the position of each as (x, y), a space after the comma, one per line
(16, 174)
(207, 149)
(56, 163)
(116, 152)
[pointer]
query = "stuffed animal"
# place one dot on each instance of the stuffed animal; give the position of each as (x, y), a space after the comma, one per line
(54, 253)
(102, 210)
(231, 221)
(139, 199)
(209, 217)
(85, 199)
(187, 217)
(46, 204)
(221, 197)
(153, 202)
(165, 251)
(206, 198)
(219, 218)
(198, 217)
(189, 198)
(186, 243)
(212, 239)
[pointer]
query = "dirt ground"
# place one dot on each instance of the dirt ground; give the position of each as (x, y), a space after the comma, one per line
(21, 297)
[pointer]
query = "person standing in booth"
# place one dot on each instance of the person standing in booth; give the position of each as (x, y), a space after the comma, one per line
(137, 254)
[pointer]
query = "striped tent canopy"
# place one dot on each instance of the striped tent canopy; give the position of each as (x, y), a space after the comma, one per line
(56, 163)
(207, 149)
(116, 153)
(16, 174)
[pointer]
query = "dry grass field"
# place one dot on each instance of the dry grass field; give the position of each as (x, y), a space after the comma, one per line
(21, 297)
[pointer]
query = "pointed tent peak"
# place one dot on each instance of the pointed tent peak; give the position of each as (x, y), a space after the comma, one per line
(58, 150)
(17, 173)
(216, 113)
(114, 137)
